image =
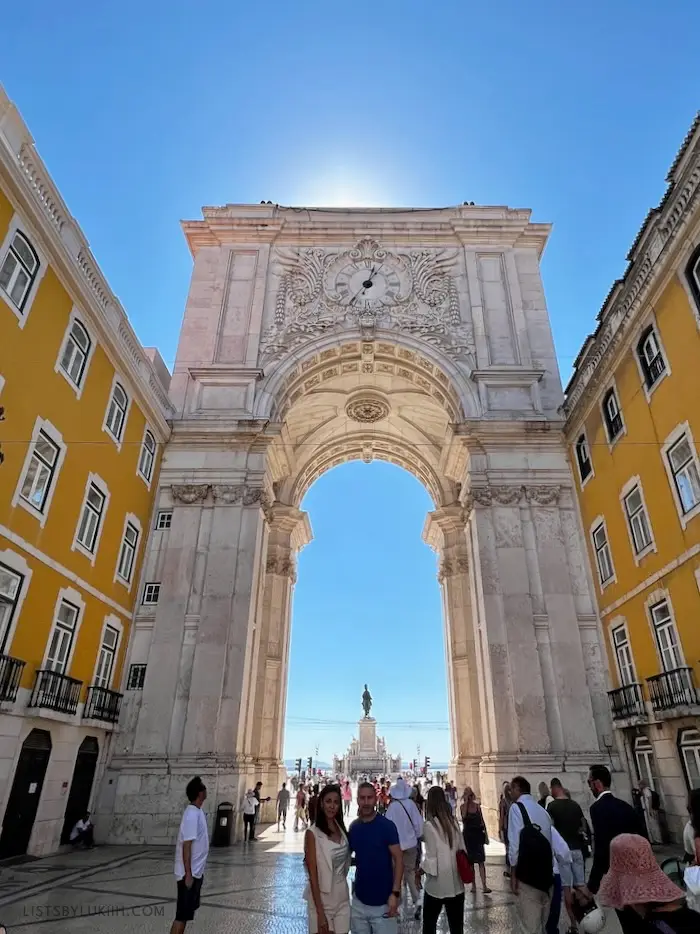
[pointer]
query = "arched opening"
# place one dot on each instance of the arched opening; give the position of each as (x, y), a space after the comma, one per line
(367, 609)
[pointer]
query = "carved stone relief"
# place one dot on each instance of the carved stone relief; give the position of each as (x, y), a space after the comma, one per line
(367, 287)
(189, 493)
(512, 495)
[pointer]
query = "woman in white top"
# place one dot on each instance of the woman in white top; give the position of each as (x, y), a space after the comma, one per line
(691, 831)
(327, 861)
(443, 886)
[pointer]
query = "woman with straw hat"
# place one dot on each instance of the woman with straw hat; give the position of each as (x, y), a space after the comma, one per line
(636, 885)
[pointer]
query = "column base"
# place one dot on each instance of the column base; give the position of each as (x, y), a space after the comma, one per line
(141, 799)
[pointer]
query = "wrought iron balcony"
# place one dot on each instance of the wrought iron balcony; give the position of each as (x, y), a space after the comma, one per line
(10, 675)
(102, 704)
(627, 702)
(56, 692)
(673, 689)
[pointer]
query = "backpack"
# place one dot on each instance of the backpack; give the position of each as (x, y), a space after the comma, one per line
(655, 800)
(534, 855)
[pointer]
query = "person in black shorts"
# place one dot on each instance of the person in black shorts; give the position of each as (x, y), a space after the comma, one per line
(191, 851)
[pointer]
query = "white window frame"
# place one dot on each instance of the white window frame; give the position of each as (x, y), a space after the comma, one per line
(672, 439)
(684, 276)
(17, 225)
(169, 513)
(75, 317)
(147, 479)
(96, 480)
(629, 487)
(603, 414)
(583, 481)
(146, 585)
(41, 425)
(74, 597)
(644, 753)
(112, 622)
(17, 565)
(650, 390)
(652, 601)
(595, 525)
(619, 624)
(692, 747)
(129, 520)
(118, 441)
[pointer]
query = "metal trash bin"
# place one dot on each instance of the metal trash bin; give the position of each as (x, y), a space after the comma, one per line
(223, 825)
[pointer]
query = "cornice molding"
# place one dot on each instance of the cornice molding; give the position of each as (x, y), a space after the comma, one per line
(649, 258)
(71, 256)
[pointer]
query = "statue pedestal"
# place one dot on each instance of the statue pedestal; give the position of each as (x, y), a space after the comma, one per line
(368, 735)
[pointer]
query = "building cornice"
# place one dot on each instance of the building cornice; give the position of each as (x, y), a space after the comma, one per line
(650, 257)
(73, 262)
(473, 225)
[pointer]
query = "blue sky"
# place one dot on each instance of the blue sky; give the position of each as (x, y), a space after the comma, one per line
(146, 111)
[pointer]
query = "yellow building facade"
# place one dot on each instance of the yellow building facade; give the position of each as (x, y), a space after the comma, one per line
(84, 422)
(633, 426)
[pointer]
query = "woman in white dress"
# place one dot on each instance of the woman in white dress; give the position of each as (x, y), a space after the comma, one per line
(443, 885)
(327, 861)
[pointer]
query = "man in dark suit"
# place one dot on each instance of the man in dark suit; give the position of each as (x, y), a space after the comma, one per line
(610, 816)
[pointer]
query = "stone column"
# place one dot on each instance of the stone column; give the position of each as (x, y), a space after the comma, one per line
(212, 726)
(153, 730)
(289, 531)
(446, 529)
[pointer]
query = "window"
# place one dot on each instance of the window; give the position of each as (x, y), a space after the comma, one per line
(602, 553)
(684, 467)
(612, 415)
(136, 678)
(692, 272)
(61, 639)
(644, 754)
(148, 456)
(105, 660)
(638, 521)
(623, 654)
(583, 458)
(151, 592)
(40, 472)
(650, 357)
(91, 518)
(116, 412)
(689, 745)
(10, 587)
(75, 353)
(666, 636)
(165, 519)
(127, 553)
(19, 270)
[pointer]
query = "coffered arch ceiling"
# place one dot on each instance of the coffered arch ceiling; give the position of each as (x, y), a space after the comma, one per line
(363, 400)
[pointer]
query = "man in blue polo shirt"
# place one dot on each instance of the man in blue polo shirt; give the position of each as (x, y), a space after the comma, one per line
(378, 868)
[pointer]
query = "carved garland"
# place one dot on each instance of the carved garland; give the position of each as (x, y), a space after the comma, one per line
(512, 495)
(191, 493)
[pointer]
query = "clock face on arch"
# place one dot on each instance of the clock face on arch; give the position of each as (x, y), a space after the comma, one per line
(364, 283)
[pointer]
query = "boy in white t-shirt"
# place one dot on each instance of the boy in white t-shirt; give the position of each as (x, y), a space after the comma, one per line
(191, 851)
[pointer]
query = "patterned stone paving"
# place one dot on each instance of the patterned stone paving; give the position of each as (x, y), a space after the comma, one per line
(248, 889)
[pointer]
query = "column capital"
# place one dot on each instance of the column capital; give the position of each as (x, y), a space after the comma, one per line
(443, 520)
(292, 521)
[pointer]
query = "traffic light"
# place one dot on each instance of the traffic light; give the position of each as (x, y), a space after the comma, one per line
(297, 766)
(309, 763)
(427, 763)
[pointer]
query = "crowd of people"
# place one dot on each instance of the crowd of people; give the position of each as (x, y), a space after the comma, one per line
(415, 854)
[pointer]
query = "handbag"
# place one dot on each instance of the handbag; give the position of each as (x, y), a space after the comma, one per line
(464, 868)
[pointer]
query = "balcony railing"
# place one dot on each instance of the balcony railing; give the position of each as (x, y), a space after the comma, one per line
(10, 675)
(673, 689)
(102, 704)
(627, 701)
(56, 692)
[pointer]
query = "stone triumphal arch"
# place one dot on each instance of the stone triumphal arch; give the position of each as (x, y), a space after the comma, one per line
(312, 337)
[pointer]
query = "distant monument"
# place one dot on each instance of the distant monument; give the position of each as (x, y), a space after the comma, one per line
(368, 754)
(366, 701)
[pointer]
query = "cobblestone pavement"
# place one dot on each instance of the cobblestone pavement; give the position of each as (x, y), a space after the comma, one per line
(248, 889)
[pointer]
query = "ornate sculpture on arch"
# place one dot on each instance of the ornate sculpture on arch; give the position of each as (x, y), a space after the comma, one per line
(367, 287)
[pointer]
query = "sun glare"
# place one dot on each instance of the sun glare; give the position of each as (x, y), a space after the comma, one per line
(344, 188)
